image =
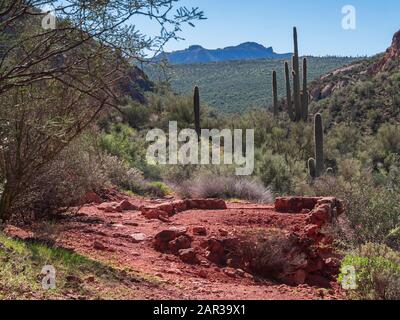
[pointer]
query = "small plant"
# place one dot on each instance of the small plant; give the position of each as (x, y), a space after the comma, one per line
(377, 271)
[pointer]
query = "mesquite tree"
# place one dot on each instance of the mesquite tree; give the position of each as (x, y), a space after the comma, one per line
(56, 78)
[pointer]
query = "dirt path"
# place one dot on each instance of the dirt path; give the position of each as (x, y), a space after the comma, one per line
(108, 236)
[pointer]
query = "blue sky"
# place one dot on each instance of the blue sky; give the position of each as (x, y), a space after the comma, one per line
(270, 23)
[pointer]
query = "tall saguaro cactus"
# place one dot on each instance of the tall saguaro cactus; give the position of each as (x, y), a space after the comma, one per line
(297, 102)
(304, 96)
(288, 92)
(275, 93)
(296, 77)
(196, 103)
(319, 145)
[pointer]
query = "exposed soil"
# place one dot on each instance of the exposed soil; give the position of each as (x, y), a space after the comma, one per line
(126, 239)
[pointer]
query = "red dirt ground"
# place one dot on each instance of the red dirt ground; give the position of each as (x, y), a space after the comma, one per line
(106, 236)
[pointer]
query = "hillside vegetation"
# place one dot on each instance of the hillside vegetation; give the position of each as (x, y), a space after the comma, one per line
(237, 86)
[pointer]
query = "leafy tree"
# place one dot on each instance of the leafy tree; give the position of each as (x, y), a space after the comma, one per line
(55, 81)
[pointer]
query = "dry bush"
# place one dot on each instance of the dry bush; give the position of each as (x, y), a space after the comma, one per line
(269, 253)
(121, 175)
(214, 186)
(131, 179)
(63, 181)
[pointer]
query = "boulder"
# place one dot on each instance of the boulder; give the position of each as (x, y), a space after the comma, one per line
(216, 251)
(97, 245)
(182, 242)
(162, 239)
(138, 237)
(152, 213)
(126, 205)
(188, 255)
(109, 207)
(199, 231)
(179, 206)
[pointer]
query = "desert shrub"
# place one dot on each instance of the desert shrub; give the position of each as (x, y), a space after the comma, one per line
(373, 211)
(121, 175)
(225, 187)
(126, 178)
(137, 115)
(158, 189)
(268, 252)
(377, 270)
(129, 145)
(63, 181)
(279, 172)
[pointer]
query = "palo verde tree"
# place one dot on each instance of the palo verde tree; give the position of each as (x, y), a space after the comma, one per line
(56, 78)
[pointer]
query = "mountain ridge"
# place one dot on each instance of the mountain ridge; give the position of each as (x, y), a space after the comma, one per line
(243, 51)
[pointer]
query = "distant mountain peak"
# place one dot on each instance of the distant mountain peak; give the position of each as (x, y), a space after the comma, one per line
(195, 47)
(254, 45)
(244, 51)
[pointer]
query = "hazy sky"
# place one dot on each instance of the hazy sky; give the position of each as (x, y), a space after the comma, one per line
(270, 23)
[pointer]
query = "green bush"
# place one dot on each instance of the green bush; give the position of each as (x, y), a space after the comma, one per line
(372, 211)
(279, 172)
(377, 270)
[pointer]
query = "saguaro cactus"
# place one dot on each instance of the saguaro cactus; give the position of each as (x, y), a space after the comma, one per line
(296, 77)
(319, 144)
(311, 168)
(196, 102)
(275, 92)
(304, 97)
(288, 92)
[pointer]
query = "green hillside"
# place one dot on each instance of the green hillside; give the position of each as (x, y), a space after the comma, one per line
(236, 86)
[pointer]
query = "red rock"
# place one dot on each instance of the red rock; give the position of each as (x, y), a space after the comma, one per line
(295, 204)
(151, 213)
(179, 206)
(188, 255)
(181, 242)
(97, 245)
(199, 231)
(216, 251)
(138, 237)
(162, 239)
(109, 207)
(203, 273)
(230, 272)
(223, 232)
(321, 214)
(18, 233)
(90, 197)
(311, 230)
(206, 204)
(166, 207)
(125, 205)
